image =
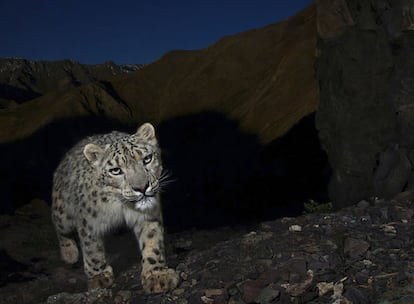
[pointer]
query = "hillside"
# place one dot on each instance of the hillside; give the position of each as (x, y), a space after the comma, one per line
(22, 80)
(262, 78)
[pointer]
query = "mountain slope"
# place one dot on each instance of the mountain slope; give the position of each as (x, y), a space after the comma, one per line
(262, 78)
(22, 80)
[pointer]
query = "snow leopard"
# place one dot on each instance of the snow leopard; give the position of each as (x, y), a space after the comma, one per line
(105, 181)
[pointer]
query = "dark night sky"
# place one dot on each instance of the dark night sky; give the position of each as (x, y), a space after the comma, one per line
(129, 31)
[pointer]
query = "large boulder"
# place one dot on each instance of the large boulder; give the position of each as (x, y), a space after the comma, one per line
(365, 120)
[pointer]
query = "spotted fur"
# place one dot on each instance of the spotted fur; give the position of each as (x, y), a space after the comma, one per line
(105, 181)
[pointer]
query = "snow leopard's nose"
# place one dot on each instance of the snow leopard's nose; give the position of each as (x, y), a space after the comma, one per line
(140, 189)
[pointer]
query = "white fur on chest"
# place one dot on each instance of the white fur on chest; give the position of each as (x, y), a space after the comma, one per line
(113, 214)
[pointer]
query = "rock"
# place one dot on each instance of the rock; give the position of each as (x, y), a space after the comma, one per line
(295, 228)
(398, 213)
(355, 248)
(183, 244)
(10, 269)
(196, 298)
(333, 17)
(5, 221)
(389, 229)
(392, 173)
(123, 296)
(178, 291)
(324, 288)
(363, 204)
(252, 238)
(405, 196)
(207, 300)
(267, 295)
(268, 277)
(213, 292)
(297, 289)
(92, 296)
(36, 208)
(297, 268)
(318, 263)
(361, 277)
(356, 296)
(232, 290)
(250, 291)
(367, 101)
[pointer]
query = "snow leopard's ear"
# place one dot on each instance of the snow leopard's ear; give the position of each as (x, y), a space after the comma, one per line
(146, 132)
(93, 153)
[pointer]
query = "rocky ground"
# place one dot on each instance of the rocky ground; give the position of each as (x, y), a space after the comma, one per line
(361, 254)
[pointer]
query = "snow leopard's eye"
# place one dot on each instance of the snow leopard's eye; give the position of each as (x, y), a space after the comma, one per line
(147, 159)
(115, 171)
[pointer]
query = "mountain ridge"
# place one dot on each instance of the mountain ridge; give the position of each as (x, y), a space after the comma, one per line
(22, 79)
(251, 77)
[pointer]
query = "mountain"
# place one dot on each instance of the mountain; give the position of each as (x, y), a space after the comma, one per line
(22, 80)
(263, 79)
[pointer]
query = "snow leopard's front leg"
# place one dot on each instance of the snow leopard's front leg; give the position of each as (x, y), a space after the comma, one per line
(156, 277)
(99, 273)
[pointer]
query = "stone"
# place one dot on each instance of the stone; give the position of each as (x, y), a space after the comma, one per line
(183, 244)
(268, 277)
(297, 289)
(363, 204)
(36, 208)
(232, 290)
(295, 228)
(213, 292)
(297, 266)
(389, 229)
(178, 291)
(361, 277)
(333, 17)
(123, 296)
(91, 296)
(398, 213)
(324, 288)
(267, 295)
(207, 300)
(356, 296)
(392, 173)
(365, 119)
(355, 248)
(250, 291)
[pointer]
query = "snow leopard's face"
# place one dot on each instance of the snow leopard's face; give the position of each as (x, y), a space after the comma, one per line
(131, 167)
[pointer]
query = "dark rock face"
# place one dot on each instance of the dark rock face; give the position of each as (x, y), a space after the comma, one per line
(366, 113)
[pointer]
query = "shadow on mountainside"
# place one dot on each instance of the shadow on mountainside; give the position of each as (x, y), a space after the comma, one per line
(224, 176)
(9, 92)
(219, 174)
